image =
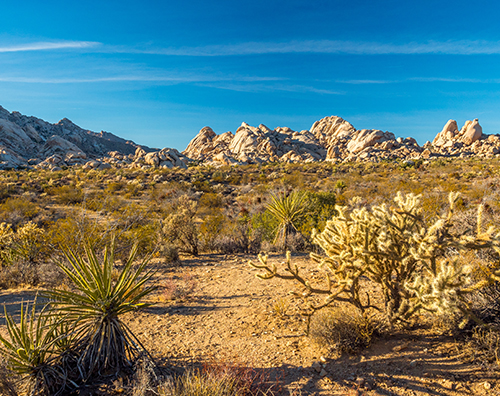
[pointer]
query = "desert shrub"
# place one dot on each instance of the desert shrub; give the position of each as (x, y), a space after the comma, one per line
(235, 234)
(21, 254)
(67, 195)
(179, 226)
(210, 201)
(146, 236)
(320, 208)
(134, 189)
(167, 252)
(265, 224)
(115, 186)
(210, 230)
(175, 288)
(484, 345)
(18, 210)
(78, 229)
(5, 191)
(102, 202)
(342, 329)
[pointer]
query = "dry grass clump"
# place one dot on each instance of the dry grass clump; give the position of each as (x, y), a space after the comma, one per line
(7, 381)
(178, 289)
(218, 380)
(342, 330)
(484, 345)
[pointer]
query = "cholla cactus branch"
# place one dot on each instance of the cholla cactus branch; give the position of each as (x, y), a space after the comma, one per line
(393, 247)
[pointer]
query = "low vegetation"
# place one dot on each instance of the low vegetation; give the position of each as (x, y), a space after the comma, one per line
(93, 241)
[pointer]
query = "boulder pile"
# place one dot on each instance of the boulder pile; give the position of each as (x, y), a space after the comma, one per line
(334, 139)
(31, 142)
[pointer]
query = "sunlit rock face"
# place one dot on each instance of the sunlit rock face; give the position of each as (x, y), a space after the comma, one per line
(31, 142)
(28, 141)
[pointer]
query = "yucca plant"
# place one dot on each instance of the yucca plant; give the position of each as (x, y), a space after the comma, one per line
(31, 351)
(96, 304)
(288, 211)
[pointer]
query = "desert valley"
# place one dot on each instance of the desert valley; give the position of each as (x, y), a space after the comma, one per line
(329, 261)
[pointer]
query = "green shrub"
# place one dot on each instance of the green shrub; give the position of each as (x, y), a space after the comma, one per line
(67, 195)
(180, 228)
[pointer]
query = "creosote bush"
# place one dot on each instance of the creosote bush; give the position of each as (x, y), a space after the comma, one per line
(179, 226)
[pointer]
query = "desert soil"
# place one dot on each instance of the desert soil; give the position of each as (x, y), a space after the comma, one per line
(231, 317)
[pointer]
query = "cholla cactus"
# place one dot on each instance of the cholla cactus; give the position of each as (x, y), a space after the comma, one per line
(443, 283)
(394, 248)
(378, 244)
(6, 237)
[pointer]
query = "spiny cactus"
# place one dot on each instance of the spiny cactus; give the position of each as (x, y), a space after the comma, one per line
(395, 249)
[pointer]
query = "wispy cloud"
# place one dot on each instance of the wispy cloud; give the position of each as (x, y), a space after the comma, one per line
(259, 88)
(49, 45)
(452, 47)
(421, 79)
(175, 79)
(362, 82)
(454, 80)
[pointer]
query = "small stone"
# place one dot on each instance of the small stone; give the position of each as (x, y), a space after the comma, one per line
(360, 381)
(413, 363)
(317, 366)
(448, 385)
(402, 347)
(323, 373)
(487, 385)
(322, 359)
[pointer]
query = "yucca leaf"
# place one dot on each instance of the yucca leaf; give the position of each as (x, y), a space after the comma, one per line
(97, 303)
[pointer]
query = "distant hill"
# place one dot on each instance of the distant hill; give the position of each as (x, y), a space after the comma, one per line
(31, 142)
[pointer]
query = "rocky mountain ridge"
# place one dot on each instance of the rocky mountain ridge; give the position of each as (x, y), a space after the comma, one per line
(334, 139)
(31, 142)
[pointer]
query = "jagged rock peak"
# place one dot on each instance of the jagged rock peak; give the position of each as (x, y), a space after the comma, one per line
(27, 140)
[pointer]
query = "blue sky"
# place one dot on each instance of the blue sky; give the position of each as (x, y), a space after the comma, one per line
(157, 72)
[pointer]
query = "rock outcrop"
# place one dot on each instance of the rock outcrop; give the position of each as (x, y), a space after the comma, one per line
(31, 142)
(469, 141)
(331, 139)
(334, 139)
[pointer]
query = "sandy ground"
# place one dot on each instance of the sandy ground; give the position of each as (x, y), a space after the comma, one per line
(230, 316)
